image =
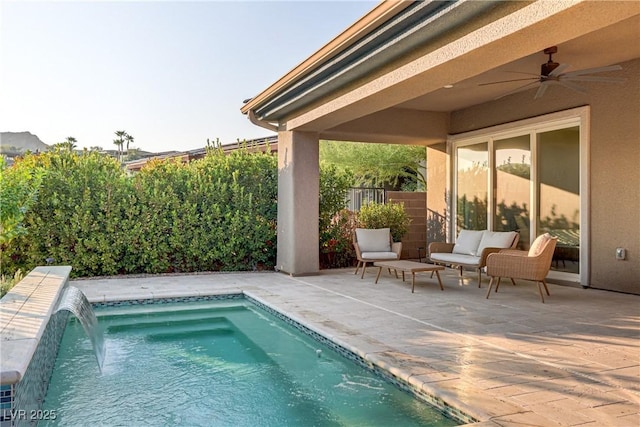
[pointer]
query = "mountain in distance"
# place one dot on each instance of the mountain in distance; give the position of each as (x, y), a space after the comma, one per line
(16, 143)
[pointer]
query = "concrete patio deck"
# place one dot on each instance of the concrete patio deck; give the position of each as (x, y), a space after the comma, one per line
(507, 361)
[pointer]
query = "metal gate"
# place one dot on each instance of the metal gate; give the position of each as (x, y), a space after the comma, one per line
(357, 197)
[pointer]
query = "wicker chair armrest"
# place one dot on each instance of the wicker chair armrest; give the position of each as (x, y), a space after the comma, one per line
(514, 252)
(438, 247)
(485, 253)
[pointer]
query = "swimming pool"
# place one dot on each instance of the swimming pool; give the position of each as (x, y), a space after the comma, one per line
(217, 363)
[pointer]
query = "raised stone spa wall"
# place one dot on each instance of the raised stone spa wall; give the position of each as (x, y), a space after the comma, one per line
(31, 335)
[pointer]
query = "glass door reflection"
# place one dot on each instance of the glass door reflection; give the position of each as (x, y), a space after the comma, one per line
(559, 194)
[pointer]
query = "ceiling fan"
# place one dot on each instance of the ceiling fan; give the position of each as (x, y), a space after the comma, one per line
(553, 73)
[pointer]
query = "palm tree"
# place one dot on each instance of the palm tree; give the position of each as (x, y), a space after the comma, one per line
(119, 142)
(71, 143)
(129, 140)
(68, 145)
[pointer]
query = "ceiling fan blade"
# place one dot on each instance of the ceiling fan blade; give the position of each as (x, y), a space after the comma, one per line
(544, 85)
(522, 72)
(558, 70)
(572, 86)
(593, 79)
(594, 70)
(541, 90)
(508, 81)
(520, 89)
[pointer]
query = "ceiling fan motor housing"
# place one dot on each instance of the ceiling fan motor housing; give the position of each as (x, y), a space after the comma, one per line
(548, 67)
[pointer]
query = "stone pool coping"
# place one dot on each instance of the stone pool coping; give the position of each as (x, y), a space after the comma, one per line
(24, 314)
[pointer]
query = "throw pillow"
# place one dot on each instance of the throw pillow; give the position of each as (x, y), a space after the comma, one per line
(539, 244)
(467, 242)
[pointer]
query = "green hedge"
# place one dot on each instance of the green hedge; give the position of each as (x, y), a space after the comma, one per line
(218, 213)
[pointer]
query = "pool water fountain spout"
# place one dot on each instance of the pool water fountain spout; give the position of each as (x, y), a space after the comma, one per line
(75, 302)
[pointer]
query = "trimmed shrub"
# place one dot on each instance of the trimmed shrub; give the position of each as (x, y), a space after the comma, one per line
(18, 191)
(19, 188)
(218, 213)
(77, 218)
(392, 215)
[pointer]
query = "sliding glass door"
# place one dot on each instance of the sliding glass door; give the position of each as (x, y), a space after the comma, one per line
(512, 189)
(527, 179)
(558, 188)
(472, 181)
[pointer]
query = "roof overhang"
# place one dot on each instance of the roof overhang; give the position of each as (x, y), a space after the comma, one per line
(401, 55)
(412, 26)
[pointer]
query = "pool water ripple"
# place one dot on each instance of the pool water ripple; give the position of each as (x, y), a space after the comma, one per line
(221, 364)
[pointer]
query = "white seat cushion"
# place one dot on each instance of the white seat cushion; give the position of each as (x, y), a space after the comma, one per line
(496, 239)
(373, 240)
(379, 255)
(467, 242)
(448, 258)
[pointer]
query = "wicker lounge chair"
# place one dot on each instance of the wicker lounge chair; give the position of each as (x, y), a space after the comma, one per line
(533, 265)
(373, 245)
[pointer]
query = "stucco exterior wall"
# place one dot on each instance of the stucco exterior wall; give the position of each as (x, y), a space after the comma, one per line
(614, 165)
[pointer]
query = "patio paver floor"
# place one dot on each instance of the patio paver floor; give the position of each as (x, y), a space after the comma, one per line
(509, 360)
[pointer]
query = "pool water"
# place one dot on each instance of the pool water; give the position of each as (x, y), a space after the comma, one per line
(217, 363)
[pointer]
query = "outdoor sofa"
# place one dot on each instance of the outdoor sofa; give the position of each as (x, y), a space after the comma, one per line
(471, 249)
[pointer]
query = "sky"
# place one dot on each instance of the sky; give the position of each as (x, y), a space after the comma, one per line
(170, 73)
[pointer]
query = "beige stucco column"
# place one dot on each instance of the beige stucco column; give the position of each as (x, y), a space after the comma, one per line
(438, 202)
(298, 202)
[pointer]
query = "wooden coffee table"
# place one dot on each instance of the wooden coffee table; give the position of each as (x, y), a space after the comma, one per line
(409, 267)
